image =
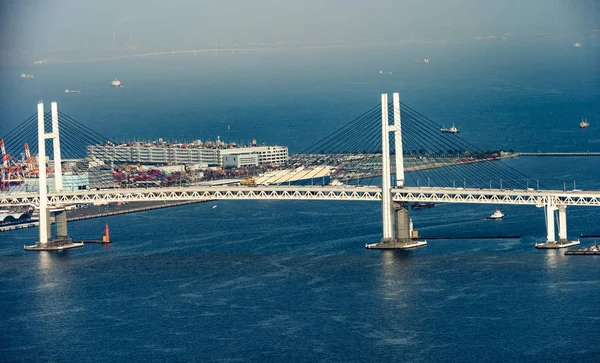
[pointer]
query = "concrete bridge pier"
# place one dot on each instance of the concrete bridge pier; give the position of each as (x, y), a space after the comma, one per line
(551, 242)
(60, 220)
(402, 222)
(61, 241)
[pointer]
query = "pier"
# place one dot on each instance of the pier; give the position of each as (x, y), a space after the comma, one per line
(560, 154)
(589, 250)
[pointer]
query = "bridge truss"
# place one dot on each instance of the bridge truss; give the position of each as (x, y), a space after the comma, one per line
(285, 192)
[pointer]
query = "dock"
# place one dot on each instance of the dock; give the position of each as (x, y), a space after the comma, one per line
(589, 250)
(561, 154)
(470, 237)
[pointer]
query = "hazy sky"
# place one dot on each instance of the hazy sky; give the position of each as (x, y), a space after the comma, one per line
(46, 25)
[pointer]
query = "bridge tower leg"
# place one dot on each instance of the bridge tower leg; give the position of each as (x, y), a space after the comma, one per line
(551, 242)
(550, 229)
(402, 238)
(562, 223)
(62, 240)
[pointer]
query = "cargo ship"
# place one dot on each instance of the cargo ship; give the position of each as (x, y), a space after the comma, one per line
(451, 130)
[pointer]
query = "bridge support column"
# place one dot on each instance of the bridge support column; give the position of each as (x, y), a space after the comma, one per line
(402, 222)
(386, 193)
(551, 242)
(60, 220)
(562, 223)
(550, 229)
(402, 238)
(62, 240)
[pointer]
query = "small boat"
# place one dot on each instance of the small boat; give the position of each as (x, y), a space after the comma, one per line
(577, 45)
(72, 91)
(584, 124)
(214, 206)
(422, 205)
(24, 75)
(452, 130)
(497, 215)
(116, 83)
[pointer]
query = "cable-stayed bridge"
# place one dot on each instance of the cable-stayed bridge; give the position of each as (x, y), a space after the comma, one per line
(435, 165)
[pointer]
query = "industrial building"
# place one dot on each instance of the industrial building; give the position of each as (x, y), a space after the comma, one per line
(217, 154)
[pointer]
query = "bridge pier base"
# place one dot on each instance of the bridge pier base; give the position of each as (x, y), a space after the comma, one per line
(563, 241)
(61, 241)
(403, 239)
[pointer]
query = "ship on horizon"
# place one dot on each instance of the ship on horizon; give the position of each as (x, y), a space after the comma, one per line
(584, 124)
(451, 130)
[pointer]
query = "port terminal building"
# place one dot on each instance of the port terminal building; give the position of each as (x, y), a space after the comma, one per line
(196, 153)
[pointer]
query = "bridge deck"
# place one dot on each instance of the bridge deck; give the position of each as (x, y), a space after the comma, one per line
(346, 192)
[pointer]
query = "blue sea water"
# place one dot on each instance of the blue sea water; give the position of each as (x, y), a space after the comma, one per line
(290, 280)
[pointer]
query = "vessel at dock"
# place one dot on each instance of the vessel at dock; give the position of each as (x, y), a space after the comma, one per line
(451, 130)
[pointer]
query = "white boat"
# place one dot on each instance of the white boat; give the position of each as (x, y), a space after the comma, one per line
(425, 60)
(116, 83)
(584, 124)
(497, 214)
(576, 45)
(214, 206)
(72, 91)
(452, 130)
(23, 75)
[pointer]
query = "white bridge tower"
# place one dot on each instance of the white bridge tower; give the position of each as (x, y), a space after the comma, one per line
(402, 236)
(61, 241)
